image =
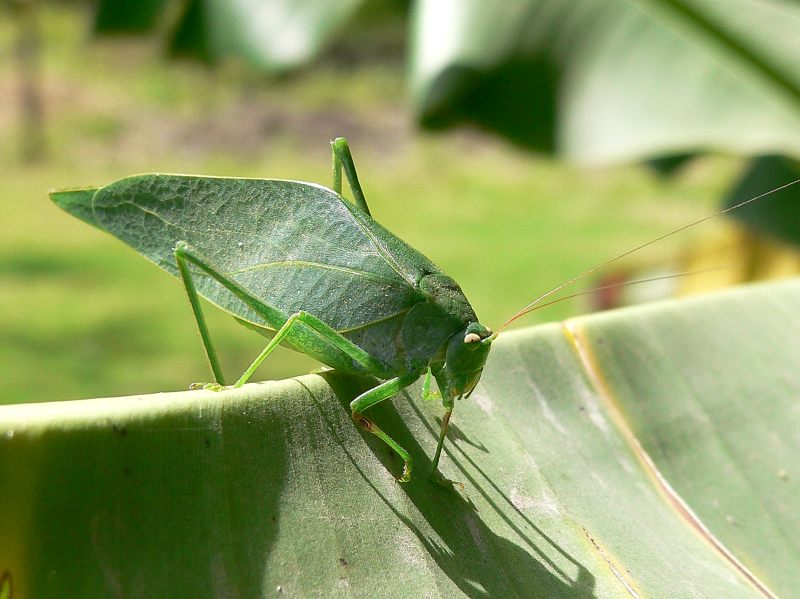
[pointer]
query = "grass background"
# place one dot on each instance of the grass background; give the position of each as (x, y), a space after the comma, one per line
(81, 315)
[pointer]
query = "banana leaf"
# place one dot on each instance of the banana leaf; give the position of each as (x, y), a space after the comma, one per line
(650, 451)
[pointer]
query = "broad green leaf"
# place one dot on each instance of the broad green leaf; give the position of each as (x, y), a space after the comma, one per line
(780, 215)
(128, 16)
(604, 81)
(273, 35)
(278, 34)
(649, 452)
(191, 36)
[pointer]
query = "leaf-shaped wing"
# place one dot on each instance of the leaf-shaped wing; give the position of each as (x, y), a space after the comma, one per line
(78, 202)
(293, 245)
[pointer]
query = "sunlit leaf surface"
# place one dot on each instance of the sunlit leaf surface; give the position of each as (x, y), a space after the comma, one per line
(604, 81)
(650, 452)
(271, 35)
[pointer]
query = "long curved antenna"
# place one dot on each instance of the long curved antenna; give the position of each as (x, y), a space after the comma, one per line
(634, 282)
(534, 304)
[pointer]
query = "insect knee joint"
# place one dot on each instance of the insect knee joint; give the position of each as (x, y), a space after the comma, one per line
(363, 422)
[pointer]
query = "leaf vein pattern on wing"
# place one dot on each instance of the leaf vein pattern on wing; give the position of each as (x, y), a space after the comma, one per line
(176, 226)
(374, 322)
(312, 265)
(347, 330)
(387, 257)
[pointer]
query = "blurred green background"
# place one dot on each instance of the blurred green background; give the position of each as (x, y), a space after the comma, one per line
(81, 315)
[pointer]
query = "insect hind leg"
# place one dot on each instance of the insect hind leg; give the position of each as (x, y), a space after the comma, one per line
(182, 259)
(184, 254)
(342, 158)
(333, 340)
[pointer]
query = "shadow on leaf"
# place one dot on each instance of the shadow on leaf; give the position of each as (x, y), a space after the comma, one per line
(468, 550)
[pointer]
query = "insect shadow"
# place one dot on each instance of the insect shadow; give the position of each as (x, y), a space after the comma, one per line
(454, 433)
(481, 562)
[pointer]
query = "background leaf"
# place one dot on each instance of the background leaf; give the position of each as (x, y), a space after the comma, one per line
(573, 451)
(128, 16)
(779, 217)
(608, 81)
(275, 35)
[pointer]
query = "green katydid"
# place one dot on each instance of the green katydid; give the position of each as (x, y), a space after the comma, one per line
(299, 264)
(311, 271)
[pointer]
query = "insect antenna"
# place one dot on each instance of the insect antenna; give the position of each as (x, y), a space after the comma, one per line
(629, 283)
(536, 304)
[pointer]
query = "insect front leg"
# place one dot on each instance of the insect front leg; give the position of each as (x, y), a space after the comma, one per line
(435, 475)
(342, 158)
(428, 394)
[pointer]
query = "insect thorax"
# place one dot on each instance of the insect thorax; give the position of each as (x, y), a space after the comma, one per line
(445, 293)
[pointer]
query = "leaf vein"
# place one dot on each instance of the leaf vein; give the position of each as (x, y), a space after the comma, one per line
(312, 265)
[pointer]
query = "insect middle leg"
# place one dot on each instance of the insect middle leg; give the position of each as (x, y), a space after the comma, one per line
(333, 339)
(374, 396)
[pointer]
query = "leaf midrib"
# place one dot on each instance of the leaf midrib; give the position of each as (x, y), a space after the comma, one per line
(315, 265)
(594, 375)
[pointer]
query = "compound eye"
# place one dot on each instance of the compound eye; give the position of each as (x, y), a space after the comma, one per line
(471, 338)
